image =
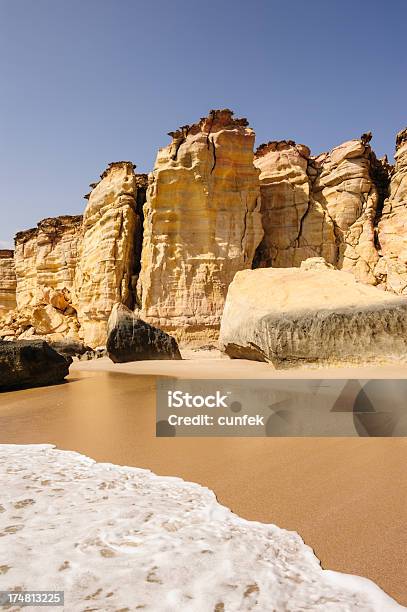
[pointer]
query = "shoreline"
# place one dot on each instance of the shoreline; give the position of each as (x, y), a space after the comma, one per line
(179, 518)
(322, 488)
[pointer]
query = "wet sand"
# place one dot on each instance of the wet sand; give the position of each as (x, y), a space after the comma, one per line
(346, 497)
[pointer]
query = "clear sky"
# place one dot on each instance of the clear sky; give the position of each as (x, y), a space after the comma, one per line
(86, 82)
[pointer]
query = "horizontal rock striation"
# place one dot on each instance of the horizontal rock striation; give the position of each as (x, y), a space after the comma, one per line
(321, 207)
(312, 314)
(109, 252)
(45, 259)
(7, 281)
(392, 229)
(202, 224)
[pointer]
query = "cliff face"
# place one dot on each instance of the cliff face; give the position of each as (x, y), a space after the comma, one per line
(107, 261)
(295, 225)
(45, 260)
(392, 233)
(347, 186)
(7, 281)
(202, 224)
(321, 207)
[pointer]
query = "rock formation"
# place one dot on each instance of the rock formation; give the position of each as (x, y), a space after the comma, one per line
(311, 314)
(392, 232)
(31, 363)
(324, 206)
(7, 281)
(173, 256)
(295, 226)
(202, 224)
(45, 261)
(109, 250)
(131, 339)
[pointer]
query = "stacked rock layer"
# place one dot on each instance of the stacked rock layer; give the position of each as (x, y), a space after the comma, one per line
(322, 207)
(202, 224)
(8, 281)
(170, 245)
(111, 236)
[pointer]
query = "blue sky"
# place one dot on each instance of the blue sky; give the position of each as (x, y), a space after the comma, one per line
(86, 82)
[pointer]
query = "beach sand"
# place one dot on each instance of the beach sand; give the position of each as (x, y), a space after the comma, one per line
(346, 497)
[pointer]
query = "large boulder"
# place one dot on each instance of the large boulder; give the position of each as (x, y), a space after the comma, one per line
(131, 339)
(31, 363)
(311, 314)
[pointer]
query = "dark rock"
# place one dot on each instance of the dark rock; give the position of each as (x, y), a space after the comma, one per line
(69, 348)
(131, 339)
(31, 363)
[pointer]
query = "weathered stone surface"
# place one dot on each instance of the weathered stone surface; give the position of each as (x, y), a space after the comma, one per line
(291, 315)
(295, 226)
(69, 348)
(131, 339)
(7, 281)
(324, 206)
(109, 250)
(202, 224)
(392, 231)
(347, 186)
(45, 259)
(31, 363)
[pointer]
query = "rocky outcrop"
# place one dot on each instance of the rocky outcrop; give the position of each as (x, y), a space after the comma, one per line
(348, 185)
(202, 224)
(312, 314)
(45, 262)
(7, 281)
(31, 363)
(295, 225)
(325, 206)
(109, 252)
(131, 339)
(392, 230)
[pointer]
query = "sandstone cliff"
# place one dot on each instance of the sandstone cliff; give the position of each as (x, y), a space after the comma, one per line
(295, 225)
(202, 224)
(109, 249)
(45, 260)
(325, 206)
(392, 235)
(7, 281)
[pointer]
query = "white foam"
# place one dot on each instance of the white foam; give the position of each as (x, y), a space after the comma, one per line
(117, 538)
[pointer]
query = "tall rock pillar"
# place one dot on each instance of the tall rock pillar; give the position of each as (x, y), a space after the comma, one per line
(202, 224)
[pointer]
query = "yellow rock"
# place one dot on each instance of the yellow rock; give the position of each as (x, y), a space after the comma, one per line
(107, 261)
(201, 225)
(392, 268)
(45, 258)
(7, 281)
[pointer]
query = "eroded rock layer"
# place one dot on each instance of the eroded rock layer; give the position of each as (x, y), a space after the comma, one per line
(111, 240)
(321, 207)
(7, 281)
(202, 224)
(45, 261)
(313, 313)
(392, 234)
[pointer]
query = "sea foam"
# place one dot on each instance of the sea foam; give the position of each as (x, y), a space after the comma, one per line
(123, 539)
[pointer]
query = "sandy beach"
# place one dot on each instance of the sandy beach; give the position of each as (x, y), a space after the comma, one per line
(347, 498)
